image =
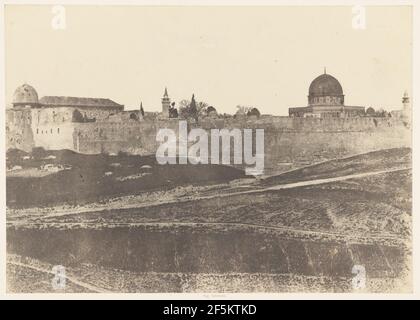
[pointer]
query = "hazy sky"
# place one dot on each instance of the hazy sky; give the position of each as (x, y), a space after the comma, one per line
(256, 56)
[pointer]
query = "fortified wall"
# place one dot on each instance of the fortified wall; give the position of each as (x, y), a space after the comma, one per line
(288, 142)
(134, 137)
(293, 142)
(96, 125)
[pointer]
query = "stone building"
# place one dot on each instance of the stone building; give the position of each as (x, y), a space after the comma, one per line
(57, 122)
(326, 100)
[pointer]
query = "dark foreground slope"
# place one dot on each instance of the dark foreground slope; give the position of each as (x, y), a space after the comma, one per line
(91, 178)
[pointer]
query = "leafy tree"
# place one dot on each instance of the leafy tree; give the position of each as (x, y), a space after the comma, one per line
(202, 108)
(173, 112)
(253, 112)
(192, 108)
(184, 108)
(242, 110)
(184, 104)
(211, 109)
(247, 111)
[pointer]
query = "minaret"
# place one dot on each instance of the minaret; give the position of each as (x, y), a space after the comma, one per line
(166, 103)
(406, 105)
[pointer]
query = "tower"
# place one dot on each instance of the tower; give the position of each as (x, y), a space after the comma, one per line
(406, 105)
(166, 103)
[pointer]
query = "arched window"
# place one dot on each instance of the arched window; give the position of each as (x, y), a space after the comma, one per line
(58, 130)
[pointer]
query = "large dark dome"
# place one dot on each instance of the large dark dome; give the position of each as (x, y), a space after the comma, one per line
(325, 85)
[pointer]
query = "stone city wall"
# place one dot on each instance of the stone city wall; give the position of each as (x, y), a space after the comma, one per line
(289, 142)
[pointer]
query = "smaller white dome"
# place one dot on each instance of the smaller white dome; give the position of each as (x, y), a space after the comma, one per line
(25, 94)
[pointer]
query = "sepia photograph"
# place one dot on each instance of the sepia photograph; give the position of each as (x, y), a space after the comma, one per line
(208, 149)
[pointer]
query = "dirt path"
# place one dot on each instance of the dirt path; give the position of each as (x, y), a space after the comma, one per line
(335, 179)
